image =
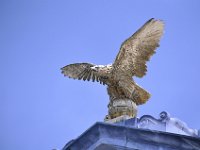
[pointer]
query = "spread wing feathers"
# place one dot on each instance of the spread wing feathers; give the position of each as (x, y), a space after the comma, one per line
(82, 71)
(138, 49)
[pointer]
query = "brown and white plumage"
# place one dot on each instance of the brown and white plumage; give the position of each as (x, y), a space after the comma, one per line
(85, 71)
(130, 61)
(138, 49)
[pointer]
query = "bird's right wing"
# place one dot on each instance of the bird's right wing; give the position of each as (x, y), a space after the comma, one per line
(82, 71)
(137, 50)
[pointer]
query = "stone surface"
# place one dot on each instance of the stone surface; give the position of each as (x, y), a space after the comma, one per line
(119, 109)
(167, 124)
(145, 133)
(105, 136)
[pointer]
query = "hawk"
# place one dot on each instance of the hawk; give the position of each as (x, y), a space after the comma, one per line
(130, 61)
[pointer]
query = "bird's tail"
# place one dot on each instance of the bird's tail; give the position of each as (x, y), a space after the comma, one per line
(141, 95)
(134, 91)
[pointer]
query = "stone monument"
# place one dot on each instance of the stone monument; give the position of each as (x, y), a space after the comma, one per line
(122, 129)
(131, 60)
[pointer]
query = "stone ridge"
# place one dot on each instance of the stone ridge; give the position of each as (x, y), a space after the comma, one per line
(105, 136)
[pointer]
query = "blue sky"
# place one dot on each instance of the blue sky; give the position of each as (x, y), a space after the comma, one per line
(40, 109)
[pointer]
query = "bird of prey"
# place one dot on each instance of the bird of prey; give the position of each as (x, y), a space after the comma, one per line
(130, 61)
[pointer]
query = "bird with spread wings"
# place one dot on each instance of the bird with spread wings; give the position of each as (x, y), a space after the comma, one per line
(130, 61)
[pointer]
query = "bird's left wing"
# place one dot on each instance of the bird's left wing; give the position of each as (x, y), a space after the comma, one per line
(82, 71)
(136, 50)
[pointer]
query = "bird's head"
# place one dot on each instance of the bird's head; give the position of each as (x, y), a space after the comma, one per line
(97, 67)
(102, 68)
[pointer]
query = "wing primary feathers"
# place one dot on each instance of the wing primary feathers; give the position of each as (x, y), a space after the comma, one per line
(97, 78)
(89, 75)
(100, 81)
(85, 76)
(94, 77)
(81, 75)
(83, 71)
